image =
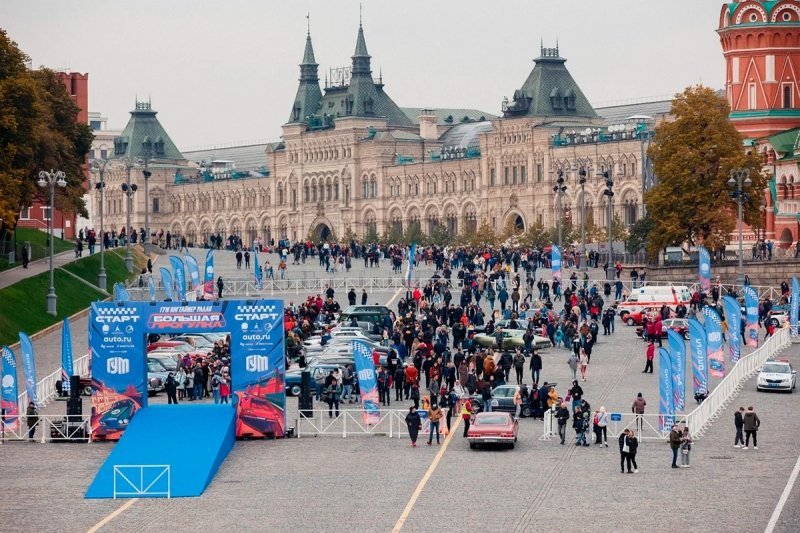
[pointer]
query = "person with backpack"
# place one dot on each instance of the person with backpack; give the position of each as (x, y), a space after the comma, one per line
(519, 365)
(216, 380)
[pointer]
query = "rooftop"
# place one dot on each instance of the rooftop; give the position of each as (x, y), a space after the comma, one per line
(447, 116)
(244, 157)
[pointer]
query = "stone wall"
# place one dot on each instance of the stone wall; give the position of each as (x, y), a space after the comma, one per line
(761, 273)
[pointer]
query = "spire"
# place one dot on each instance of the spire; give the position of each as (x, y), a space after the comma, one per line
(308, 54)
(361, 44)
(309, 96)
(361, 58)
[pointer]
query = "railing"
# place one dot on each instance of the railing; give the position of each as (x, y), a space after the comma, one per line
(48, 428)
(708, 411)
(645, 426)
(247, 287)
(46, 388)
(350, 422)
(130, 481)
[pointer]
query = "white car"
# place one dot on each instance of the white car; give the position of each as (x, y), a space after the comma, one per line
(337, 337)
(778, 318)
(777, 375)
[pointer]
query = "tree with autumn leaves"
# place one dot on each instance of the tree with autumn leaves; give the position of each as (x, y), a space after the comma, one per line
(39, 130)
(693, 156)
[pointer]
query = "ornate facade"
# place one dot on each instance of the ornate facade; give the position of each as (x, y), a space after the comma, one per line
(350, 158)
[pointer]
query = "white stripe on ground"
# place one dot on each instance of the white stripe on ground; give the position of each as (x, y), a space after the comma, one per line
(396, 294)
(112, 516)
(776, 514)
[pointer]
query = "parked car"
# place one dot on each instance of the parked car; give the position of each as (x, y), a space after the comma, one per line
(512, 338)
(778, 318)
(493, 428)
(179, 346)
(503, 401)
(200, 342)
(168, 359)
(777, 375)
(679, 325)
(156, 377)
(318, 372)
(339, 335)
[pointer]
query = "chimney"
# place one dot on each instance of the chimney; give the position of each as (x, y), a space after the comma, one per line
(428, 125)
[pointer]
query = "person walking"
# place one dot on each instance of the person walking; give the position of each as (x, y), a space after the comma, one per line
(624, 450)
(517, 399)
(573, 365)
(584, 364)
(216, 380)
(579, 423)
(601, 427)
(519, 365)
(675, 438)
(738, 422)
(633, 446)
(638, 409)
(535, 366)
(751, 425)
(171, 388)
(650, 355)
(434, 416)
(414, 424)
(32, 417)
(686, 447)
(562, 415)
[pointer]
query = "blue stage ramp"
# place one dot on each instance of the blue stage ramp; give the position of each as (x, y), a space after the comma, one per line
(167, 451)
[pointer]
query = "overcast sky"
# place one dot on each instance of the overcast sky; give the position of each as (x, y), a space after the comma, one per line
(225, 71)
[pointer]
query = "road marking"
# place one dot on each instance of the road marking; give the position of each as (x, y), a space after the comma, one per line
(113, 515)
(424, 481)
(396, 294)
(776, 514)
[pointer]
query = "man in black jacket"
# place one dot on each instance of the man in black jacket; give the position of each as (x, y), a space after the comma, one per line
(562, 415)
(738, 421)
(171, 388)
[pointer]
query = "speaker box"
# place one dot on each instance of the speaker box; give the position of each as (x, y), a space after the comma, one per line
(74, 407)
(305, 401)
(74, 386)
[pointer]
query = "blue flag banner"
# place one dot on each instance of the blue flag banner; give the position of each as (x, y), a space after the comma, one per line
(677, 354)
(367, 381)
(555, 262)
(751, 312)
(151, 286)
(28, 367)
(733, 317)
(180, 276)
(697, 342)
(8, 389)
(194, 274)
(794, 305)
(704, 268)
(257, 272)
(714, 353)
(66, 356)
(410, 270)
(121, 294)
(166, 282)
(208, 277)
(666, 407)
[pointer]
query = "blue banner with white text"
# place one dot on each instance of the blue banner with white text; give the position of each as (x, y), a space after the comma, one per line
(751, 312)
(167, 283)
(794, 306)
(257, 272)
(704, 268)
(66, 356)
(8, 390)
(194, 274)
(180, 277)
(697, 342)
(208, 277)
(733, 318)
(714, 352)
(677, 354)
(367, 381)
(410, 270)
(555, 262)
(28, 367)
(666, 406)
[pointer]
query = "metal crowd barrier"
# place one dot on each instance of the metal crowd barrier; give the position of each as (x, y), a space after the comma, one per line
(48, 428)
(350, 422)
(46, 387)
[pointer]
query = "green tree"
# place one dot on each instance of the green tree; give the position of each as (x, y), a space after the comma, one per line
(637, 236)
(39, 130)
(569, 233)
(693, 157)
(619, 231)
(349, 235)
(439, 236)
(413, 233)
(535, 235)
(371, 235)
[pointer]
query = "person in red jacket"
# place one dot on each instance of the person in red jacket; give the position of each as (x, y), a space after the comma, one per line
(651, 353)
(412, 376)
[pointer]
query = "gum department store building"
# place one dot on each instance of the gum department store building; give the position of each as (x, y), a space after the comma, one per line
(351, 159)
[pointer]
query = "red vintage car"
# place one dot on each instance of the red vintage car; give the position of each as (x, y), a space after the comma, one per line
(679, 325)
(493, 428)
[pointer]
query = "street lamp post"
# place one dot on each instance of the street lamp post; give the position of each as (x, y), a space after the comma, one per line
(582, 182)
(609, 194)
(128, 189)
(559, 189)
(739, 180)
(99, 167)
(51, 179)
(147, 151)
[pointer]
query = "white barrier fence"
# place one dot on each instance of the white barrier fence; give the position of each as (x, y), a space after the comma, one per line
(708, 411)
(46, 387)
(645, 426)
(47, 428)
(350, 422)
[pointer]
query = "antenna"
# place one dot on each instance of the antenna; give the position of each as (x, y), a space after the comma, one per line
(359, 14)
(308, 24)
